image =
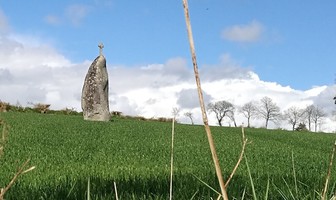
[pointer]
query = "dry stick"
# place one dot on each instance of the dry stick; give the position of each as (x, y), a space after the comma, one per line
(171, 162)
(115, 189)
(200, 95)
(240, 158)
(329, 172)
(3, 191)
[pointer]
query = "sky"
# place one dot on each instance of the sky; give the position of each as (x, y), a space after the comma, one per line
(246, 49)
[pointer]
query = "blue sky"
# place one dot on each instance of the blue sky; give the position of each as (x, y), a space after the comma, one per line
(246, 49)
(294, 45)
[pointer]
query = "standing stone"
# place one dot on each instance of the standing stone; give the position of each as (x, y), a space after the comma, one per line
(95, 103)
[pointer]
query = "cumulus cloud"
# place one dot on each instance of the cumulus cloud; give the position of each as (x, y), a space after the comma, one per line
(188, 98)
(33, 71)
(226, 68)
(245, 33)
(324, 99)
(76, 13)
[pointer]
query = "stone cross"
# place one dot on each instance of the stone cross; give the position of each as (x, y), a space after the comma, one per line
(101, 46)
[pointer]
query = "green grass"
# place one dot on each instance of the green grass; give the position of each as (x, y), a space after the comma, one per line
(68, 151)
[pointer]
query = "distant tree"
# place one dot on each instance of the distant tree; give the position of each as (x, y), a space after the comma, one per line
(42, 108)
(293, 115)
(335, 99)
(175, 112)
(4, 107)
(221, 109)
(318, 115)
(269, 110)
(308, 114)
(190, 116)
(231, 116)
(249, 110)
(301, 127)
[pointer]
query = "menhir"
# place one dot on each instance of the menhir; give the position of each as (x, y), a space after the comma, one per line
(95, 103)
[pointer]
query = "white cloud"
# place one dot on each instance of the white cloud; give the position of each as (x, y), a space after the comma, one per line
(52, 19)
(246, 33)
(76, 13)
(188, 98)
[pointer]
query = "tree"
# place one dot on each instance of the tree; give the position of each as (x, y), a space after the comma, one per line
(231, 115)
(249, 110)
(317, 116)
(293, 115)
(221, 109)
(308, 113)
(190, 116)
(175, 112)
(269, 110)
(301, 127)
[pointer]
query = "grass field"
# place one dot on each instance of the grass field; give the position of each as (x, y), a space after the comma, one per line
(67, 151)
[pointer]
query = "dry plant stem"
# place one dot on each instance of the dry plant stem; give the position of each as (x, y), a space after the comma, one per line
(18, 173)
(172, 162)
(329, 173)
(4, 131)
(200, 95)
(240, 157)
(115, 189)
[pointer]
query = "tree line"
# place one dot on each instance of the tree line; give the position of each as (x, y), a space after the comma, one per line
(308, 118)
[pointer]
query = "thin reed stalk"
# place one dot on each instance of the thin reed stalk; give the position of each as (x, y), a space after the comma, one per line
(201, 100)
(4, 134)
(244, 140)
(16, 176)
(172, 161)
(88, 190)
(329, 173)
(115, 189)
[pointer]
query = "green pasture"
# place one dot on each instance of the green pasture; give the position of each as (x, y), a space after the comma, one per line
(135, 154)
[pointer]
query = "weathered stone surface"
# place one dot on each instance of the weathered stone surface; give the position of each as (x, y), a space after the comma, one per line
(95, 103)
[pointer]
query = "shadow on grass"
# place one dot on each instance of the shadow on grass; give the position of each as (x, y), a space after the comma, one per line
(185, 187)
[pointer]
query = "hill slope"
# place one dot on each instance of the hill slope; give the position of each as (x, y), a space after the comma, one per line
(67, 151)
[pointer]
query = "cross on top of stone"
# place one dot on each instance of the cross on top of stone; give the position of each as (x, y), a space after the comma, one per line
(101, 46)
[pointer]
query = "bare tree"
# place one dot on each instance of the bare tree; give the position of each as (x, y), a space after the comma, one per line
(231, 115)
(317, 116)
(249, 110)
(221, 109)
(308, 113)
(190, 116)
(269, 110)
(293, 115)
(175, 112)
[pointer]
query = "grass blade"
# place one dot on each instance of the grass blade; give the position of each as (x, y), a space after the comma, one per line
(207, 185)
(193, 196)
(329, 173)
(267, 189)
(289, 189)
(250, 176)
(294, 174)
(73, 186)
